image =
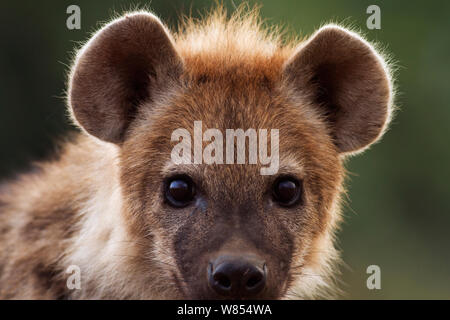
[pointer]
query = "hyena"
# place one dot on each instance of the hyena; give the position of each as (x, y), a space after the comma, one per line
(139, 226)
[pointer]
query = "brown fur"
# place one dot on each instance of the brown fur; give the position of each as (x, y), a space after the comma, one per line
(100, 205)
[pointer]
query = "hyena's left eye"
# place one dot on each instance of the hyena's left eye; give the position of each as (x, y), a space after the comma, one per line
(179, 191)
(287, 191)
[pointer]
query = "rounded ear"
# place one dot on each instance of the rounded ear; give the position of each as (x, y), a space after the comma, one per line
(124, 64)
(348, 81)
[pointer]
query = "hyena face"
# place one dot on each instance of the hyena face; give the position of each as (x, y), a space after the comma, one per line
(227, 230)
(212, 230)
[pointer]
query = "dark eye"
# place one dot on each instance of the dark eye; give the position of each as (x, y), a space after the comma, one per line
(180, 191)
(287, 191)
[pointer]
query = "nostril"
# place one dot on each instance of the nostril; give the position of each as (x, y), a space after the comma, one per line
(222, 280)
(254, 281)
(219, 279)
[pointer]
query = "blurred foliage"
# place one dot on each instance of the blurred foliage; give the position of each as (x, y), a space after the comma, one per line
(398, 212)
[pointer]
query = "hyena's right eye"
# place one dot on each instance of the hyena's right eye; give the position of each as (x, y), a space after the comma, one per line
(179, 191)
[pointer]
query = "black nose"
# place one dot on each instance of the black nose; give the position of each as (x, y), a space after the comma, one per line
(237, 277)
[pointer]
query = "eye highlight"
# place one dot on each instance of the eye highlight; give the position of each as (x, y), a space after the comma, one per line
(179, 191)
(287, 191)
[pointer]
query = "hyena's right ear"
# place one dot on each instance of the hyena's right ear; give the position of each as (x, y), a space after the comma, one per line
(120, 67)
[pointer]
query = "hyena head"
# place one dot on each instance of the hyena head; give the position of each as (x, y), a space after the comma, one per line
(206, 229)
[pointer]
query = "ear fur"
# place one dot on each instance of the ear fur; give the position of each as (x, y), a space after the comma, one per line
(119, 68)
(348, 81)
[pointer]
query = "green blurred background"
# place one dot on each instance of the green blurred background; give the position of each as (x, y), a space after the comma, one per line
(398, 216)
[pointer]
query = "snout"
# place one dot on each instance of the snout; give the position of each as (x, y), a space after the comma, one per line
(237, 277)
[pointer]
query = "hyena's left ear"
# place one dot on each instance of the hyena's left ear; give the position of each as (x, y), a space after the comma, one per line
(125, 63)
(348, 81)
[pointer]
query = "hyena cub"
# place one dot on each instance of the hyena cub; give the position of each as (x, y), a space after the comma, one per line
(139, 225)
